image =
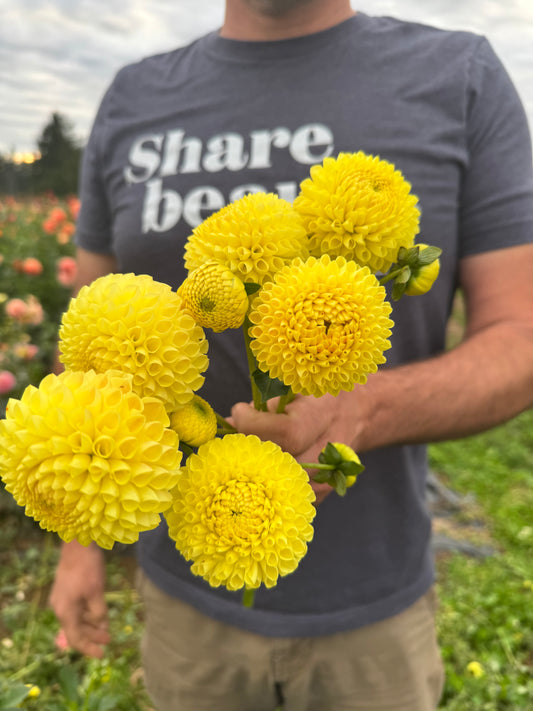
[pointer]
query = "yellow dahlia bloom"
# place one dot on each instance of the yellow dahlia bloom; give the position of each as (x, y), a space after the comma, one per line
(215, 296)
(242, 512)
(321, 326)
(139, 326)
(195, 422)
(254, 237)
(359, 207)
(88, 458)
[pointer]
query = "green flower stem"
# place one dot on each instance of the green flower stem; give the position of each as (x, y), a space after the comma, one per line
(224, 426)
(248, 597)
(391, 275)
(32, 666)
(252, 365)
(187, 451)
(316, 465)
(284, 400)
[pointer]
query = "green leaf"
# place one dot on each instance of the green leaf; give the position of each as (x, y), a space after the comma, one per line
(339, 482)
(404, 276)
(13, 696)
(331, 455)
(398, 291)
(323, 476)
(267, 386)
(109, 702)
(68, 682)
(251, 287)
(411, 259)
(428, 255)
(350, 468)
(402, 254)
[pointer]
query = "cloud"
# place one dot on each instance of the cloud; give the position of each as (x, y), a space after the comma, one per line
(60, 55)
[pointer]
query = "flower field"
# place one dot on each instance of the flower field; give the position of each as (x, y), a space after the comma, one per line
(36, 273)
(485, 620)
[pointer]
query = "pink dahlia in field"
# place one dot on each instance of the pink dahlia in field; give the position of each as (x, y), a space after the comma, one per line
(66, 272)
(7, 382)
(27, 311)
(25, 351)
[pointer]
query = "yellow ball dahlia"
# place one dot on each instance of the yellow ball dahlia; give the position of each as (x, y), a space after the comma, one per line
(88, 458)
(321, 326)
(359, 207)
(195, 422)
(139, 326)
(254, 237)
(242, 512)
(215, 296)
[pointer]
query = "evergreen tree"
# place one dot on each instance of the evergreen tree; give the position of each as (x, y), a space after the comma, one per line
(58, 167)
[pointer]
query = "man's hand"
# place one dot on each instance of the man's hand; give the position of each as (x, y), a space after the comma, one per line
(77, 598)
(303, 430)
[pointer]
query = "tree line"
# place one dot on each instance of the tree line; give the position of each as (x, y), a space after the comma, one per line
(57, 168)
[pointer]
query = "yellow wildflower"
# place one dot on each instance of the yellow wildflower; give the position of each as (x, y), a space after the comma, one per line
(139, 326)
(242, 512)
(359, 207)
(475, 669)
(254, 237)
(321, 326)
(195, 422)
(215, 296)
(34, 691)
(88, 458)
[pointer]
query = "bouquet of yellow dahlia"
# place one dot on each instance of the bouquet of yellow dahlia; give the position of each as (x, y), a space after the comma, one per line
(96, 452)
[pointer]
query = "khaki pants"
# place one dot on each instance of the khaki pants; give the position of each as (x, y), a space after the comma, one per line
(194, 663)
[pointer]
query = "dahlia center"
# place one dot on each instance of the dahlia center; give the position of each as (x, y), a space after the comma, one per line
(240, 511)
(324, 326)
(207, 304)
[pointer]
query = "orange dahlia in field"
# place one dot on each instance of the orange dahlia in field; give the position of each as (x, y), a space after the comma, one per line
(321, 326)
(253, 237)
(139, 326)
(359, 207)
(242, 512)
(88, 458)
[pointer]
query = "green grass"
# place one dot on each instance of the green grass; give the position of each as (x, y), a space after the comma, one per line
(487, 604)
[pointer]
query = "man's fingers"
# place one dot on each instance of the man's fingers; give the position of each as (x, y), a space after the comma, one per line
(87, 639)
(266, 425)
(96, 611)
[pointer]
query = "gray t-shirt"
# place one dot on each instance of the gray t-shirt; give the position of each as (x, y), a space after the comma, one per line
(180, 134)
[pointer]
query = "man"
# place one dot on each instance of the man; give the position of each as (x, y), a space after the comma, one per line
(282, 86)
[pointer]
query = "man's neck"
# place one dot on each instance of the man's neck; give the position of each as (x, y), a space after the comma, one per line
(244, 21)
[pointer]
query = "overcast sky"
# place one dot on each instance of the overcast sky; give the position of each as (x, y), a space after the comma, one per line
(60, 55)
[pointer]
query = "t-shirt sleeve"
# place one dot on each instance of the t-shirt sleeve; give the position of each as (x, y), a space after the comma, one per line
(93, 228)
(497, 187)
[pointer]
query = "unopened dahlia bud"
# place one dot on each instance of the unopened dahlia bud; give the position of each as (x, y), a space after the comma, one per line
(423, 276)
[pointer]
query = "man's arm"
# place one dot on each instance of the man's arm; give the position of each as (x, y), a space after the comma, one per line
(77, 596)
(484, 381)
